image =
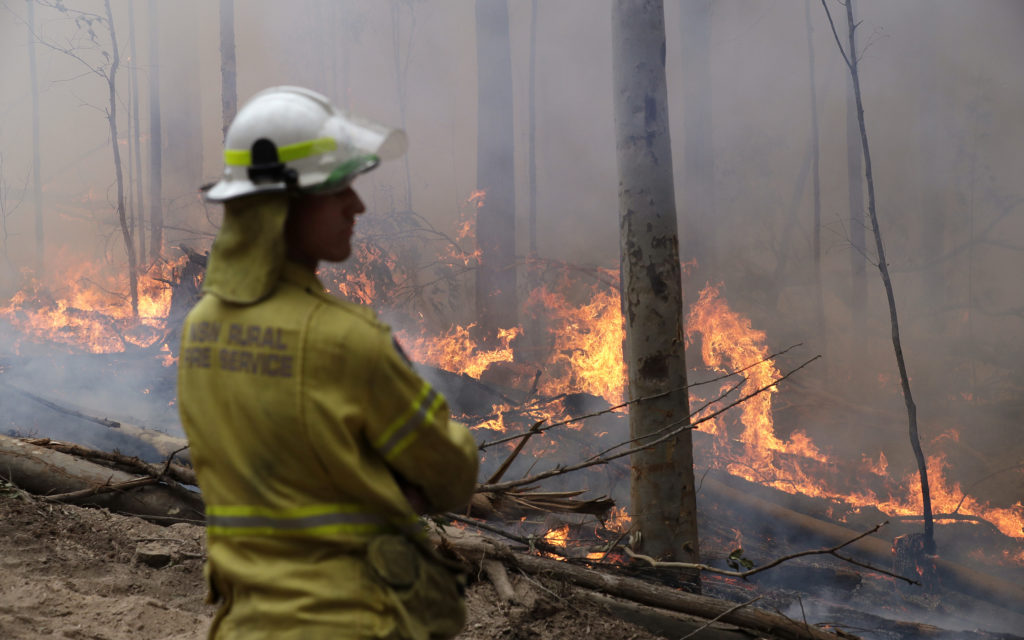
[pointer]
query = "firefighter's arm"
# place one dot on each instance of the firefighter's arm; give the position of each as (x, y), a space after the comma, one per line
(410, 428)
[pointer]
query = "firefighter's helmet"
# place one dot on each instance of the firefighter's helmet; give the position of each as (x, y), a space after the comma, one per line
(287, 138)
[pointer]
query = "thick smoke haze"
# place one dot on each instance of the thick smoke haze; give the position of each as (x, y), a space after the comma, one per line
(943, 93)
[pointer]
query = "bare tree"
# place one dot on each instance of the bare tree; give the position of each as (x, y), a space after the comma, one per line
(531, 161)
(855, 186)
(7, 209)
(37, 180)
(850, 57)
(87, 24)
(402, 56)
(135, 123)
(663, 500)
(156, 210)
(495, 229)
(816, 185)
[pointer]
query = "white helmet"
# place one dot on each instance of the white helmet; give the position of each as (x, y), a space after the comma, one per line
(290, 137)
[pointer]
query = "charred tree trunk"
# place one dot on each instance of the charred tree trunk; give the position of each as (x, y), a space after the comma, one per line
(883, 268)
(156, 214)
(698, 176)
(662, 492)
(140, 207)
(496, 304)
(126, 234)
(228, 88)
(37, 181)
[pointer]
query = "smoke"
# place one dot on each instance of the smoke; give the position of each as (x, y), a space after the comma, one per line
(942, 101)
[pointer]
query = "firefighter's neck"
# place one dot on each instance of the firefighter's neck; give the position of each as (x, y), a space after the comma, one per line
(300, 258)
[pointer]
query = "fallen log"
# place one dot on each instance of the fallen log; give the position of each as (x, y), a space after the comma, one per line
(669, 624)
(872, 549)
(474, 549)
(163, 443)
(44, 472)
(176, 472)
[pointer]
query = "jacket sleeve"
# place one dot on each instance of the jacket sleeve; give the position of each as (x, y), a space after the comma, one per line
(408, 424)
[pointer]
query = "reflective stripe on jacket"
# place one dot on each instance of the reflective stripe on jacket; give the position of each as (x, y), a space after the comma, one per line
(303, 421)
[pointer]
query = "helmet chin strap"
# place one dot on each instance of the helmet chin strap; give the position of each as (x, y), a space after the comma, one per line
(267, 167)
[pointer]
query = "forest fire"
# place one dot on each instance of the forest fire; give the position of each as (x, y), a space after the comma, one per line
(581, 340)
(87, 312)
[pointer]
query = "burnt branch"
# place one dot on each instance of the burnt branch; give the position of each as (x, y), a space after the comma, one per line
(667, 432)
(533, 407)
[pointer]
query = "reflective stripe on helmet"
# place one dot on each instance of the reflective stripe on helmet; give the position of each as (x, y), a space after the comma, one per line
(287, 153)
(402, 431)
(311, 521)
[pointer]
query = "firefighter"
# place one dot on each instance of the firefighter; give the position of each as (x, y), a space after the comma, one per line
(315, 443)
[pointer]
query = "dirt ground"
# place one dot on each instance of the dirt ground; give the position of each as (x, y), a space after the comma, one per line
(80, 573)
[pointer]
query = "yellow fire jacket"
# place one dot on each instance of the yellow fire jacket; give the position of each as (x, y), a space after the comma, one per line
(303, 422)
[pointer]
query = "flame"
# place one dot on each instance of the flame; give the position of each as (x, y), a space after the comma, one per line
(558, 537)
(618, 520)
(581, 335)
(457, 351)
(86, 312)
(728, 342)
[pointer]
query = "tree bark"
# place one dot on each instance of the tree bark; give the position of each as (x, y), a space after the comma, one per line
(662, 492)
(37, 181)
(228, 82)
(496, 304)
(156, 215)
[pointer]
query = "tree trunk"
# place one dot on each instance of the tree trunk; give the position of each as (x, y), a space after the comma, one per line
(496, 303)
(37, 181)
(182, 115)
(816, 191)
(228, 88)
(156, 212)
(855, 185)
(698, 176)
(883, 268)
(44, 472)
(936, 178)
(531, 161)
(126, 234)
(662, 493)
(401, 61)
(140, 208)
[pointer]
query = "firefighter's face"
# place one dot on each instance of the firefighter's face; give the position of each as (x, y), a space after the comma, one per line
(320, 226)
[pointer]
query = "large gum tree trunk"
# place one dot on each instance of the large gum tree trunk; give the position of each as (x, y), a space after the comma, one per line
(663, 508)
